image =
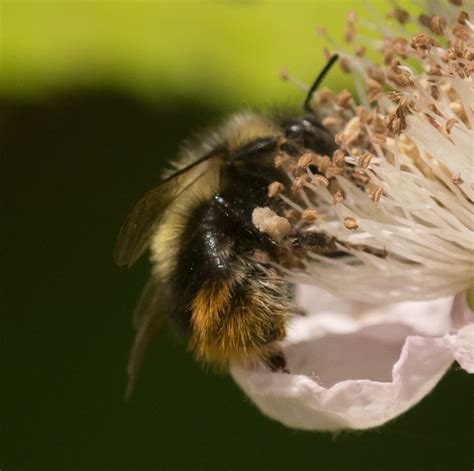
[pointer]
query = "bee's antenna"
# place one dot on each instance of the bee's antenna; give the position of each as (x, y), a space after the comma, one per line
(317, 82)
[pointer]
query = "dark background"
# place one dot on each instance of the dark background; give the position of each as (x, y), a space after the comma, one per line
(72, 163)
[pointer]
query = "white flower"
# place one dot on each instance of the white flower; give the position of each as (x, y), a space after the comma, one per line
(359, 366)
(403, 178)
(401, 183)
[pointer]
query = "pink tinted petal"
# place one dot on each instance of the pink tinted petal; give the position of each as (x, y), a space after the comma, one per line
(426, 317)
(353, 371)
(298, 401)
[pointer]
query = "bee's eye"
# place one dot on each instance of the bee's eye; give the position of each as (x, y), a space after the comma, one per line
(308, 132)
(294, 128)
(299, 126)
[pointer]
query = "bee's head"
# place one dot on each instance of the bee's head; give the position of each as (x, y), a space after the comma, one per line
(307, 131)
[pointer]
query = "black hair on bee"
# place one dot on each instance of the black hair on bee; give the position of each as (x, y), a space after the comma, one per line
(211, 275)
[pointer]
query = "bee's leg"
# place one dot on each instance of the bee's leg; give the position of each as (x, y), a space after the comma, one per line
(381, 253)
(237, 216)
(318, 242)
(323, 244)
(277, 362)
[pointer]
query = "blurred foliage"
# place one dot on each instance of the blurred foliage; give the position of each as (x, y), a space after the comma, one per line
(224, 52)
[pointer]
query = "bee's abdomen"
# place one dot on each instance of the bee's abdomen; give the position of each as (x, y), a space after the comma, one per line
(229, 305)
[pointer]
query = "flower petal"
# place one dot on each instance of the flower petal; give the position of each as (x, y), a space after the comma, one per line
(356, 370)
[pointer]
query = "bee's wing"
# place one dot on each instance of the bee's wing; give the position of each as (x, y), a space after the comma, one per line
(145, 216)
(149, 316)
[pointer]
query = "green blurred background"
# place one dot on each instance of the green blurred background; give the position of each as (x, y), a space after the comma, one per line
(95, 97)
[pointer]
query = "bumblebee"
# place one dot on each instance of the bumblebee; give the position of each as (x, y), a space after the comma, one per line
(212, 271)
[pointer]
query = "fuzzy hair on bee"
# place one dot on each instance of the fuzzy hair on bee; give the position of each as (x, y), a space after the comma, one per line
(214, 275)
